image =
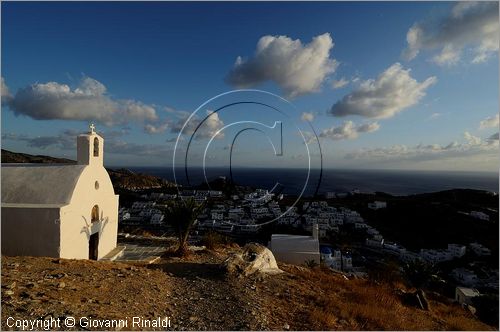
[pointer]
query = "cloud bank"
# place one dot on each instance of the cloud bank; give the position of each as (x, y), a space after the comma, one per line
(297, 68)
(489, 122)
(469, 25)
(348, 130)
(211, 125)
(89, 101)
(66, 140)
(473, 145)
(393, 91)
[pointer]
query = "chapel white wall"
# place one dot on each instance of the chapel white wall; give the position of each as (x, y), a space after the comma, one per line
(297, 258)
(295, 249)
(76, 224)
(30, 231)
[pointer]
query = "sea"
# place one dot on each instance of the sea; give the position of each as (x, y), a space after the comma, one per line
(294, 181)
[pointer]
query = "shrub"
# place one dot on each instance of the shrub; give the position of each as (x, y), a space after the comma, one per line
(182, 214)
(418, 273)
(311, 263)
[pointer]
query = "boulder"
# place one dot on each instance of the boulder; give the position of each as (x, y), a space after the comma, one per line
(254, 258)
(416, 299)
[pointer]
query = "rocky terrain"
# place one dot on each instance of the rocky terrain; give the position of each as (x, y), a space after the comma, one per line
(126, 179)
(198, 293)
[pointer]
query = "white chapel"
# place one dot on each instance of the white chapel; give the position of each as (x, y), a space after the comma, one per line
(60, 210)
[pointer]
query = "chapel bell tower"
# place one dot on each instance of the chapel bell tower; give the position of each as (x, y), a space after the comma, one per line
(90, 148)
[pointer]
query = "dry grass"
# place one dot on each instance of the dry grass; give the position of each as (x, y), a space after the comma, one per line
(214, 241)
(360, 305)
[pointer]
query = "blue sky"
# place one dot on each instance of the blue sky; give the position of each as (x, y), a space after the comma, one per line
(395, 85)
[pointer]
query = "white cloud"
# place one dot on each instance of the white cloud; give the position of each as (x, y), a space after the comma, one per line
(368, 127)
(471, 139)
(298, 69)
(177, 118)
(338, 84)
(66, 140)
(392, 91)
(348, 130)
(489, 122)
(89, 101)
(307, 116)
(6, 96)
(470, 25)
(156, 129)
(434, 116)
(473, 145)
(449, 56)
(212, 123)
(474, 153)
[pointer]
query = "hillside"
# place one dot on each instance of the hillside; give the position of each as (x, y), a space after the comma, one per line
(431, 220)
(121, 178)
(197, 294)
(126, 179)
(15, 157)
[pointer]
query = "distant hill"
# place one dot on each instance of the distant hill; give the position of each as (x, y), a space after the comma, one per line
(432, 220)
(121, 178)
(126, 179)
(15, 157)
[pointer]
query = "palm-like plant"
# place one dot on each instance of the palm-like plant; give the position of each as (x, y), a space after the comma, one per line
(182, 215)
(419, 273)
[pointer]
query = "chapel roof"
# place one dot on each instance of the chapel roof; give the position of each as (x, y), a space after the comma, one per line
(39, 183)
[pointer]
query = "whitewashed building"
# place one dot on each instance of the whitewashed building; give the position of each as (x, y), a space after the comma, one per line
(377, 205)
(346, 262)
(332, 258)
(157, 219)
(296, 249)
(464, 276)
(436, 255)
(480, 215)
(330, 195)
(217, 215)
(464, 295)
(60, 210)
(479, 249)
(457, 250)
(374, 243)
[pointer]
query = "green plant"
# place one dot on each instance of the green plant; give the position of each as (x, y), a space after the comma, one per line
(418, 273)
(311, 263)
(182, 215)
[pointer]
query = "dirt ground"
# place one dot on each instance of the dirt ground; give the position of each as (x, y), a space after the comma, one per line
(195, 293)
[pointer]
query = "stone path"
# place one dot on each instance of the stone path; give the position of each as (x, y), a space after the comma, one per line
(141, 248)
(145, 249)
(139, 252)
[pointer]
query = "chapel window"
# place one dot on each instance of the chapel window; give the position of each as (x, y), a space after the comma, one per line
(95, 213)
(96, 147)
